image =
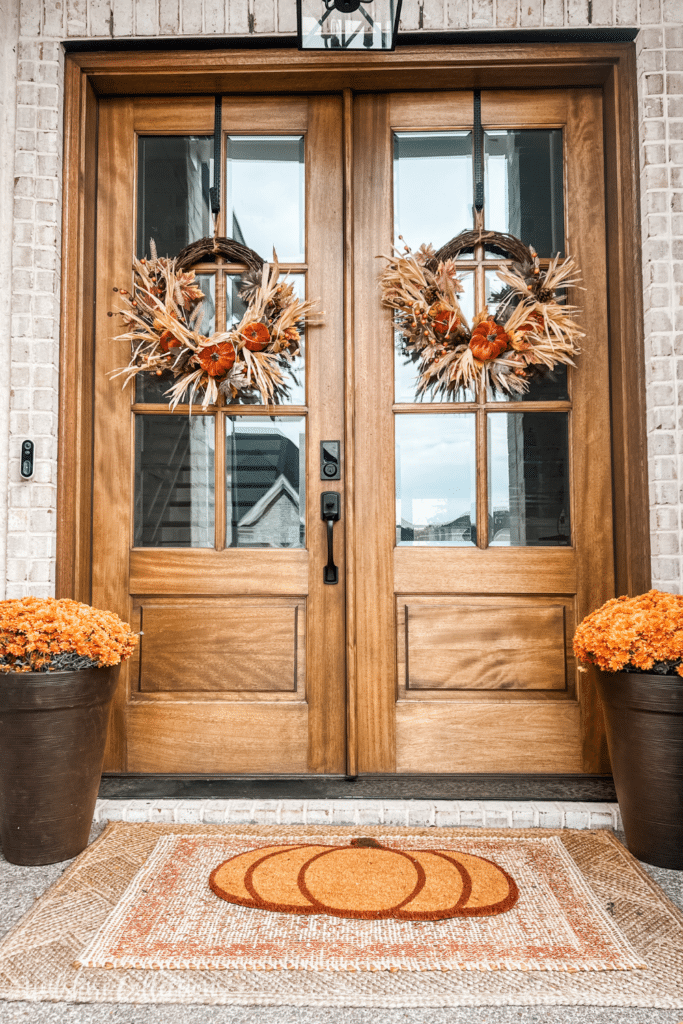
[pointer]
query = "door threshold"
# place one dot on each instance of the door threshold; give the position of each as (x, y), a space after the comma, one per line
(583, 788)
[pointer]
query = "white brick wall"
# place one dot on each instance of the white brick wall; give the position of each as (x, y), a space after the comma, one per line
(31, 155)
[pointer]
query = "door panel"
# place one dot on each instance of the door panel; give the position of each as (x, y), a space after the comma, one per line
(459, 645)
(267, 646)
(241, 662)
(492, 499)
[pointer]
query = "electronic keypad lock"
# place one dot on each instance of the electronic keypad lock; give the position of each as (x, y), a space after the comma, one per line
(330, 463)
(330, 513)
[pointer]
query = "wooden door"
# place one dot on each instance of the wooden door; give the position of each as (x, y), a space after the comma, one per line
(483, 527)
(476, 533)
(207, 532)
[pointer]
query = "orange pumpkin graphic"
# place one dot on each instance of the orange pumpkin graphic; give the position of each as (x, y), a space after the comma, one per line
(365, 880)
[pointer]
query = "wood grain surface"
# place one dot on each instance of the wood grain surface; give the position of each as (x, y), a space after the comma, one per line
(213, 738)
(484, 645)
(238, 644)
(524, 736)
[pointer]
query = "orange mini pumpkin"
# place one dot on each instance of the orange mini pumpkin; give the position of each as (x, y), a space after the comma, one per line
(489, 340)
(444, 319)
(365, 880)
(168, 340)
(217, 359)
(257, 337)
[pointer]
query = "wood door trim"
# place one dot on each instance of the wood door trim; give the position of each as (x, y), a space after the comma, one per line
(74, 480)
(548, 65)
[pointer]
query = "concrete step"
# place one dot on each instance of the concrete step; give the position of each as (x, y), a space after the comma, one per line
(469, 813)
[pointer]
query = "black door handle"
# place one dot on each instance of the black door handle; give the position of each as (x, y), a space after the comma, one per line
(330, 512)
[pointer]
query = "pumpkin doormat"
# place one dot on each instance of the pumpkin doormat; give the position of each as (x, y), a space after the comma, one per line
(366, 880)
(135, 920)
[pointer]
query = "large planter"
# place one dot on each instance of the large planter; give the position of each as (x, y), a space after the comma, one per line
(53, 729)
(644, 720)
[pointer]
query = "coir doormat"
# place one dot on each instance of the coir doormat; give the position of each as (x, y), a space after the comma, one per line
(135, 920)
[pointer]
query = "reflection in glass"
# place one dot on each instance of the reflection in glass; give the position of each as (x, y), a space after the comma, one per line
(524, 192)
(152, 389)
(528, 479)
(265, 462)
(553, 385)
(405, 371)
(435, 479)
(296, 372)
(174, 174)
(432, 186)
(265, 194)
(339, 27)
(174, 481)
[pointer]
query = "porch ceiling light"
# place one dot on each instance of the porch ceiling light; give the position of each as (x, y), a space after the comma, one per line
(347, 24)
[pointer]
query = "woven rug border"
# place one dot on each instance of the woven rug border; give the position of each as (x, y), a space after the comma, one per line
(46, 941)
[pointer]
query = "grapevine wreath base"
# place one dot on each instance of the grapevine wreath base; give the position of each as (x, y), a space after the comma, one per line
(530, 332)
(164, 316)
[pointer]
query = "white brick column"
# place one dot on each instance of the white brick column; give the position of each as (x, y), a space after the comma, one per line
(660, 87)
(34, 384)
(9, 39)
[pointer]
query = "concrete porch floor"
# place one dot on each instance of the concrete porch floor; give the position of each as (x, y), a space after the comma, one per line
(21, 886)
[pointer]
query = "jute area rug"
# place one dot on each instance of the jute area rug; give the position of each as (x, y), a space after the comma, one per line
(267, 915)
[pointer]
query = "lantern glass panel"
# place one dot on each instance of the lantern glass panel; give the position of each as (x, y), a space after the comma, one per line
(347, 24)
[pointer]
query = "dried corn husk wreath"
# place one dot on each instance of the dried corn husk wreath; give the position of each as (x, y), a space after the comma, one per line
(528, 334)
(164, 316)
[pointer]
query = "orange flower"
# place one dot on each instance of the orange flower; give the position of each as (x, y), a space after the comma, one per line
(488, 340)
(35, 633)
(445, 320)
(217, 359)
(638, 633)
(257, 336)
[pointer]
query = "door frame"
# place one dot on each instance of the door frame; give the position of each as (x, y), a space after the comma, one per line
(609, 66)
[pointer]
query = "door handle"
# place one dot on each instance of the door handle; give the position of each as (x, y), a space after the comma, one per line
(330, 513)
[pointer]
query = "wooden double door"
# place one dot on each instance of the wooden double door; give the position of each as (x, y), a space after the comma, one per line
(473, 534)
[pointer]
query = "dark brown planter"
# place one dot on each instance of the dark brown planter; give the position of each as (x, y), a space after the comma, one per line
(53, 729)
(644, 720)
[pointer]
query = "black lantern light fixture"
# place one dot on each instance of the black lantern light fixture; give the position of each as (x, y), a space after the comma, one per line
(347, 24)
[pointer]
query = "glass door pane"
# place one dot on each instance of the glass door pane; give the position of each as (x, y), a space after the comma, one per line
(174, 481)
(528, 479)
(265, 476)
(174, 175)
(265, 185)
(436, 496)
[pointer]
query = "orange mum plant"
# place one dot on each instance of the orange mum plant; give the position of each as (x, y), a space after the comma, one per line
(49, 635)
(634, 634)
